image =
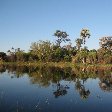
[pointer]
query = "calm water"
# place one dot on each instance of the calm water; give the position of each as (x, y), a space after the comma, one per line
(44, 89)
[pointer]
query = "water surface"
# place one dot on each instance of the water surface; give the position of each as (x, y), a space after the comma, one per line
(51, 89)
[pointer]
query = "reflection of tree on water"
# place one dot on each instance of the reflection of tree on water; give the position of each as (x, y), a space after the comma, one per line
(2, 68)
(81, 89)
(106, 83)
(45, 75)
(61, 90)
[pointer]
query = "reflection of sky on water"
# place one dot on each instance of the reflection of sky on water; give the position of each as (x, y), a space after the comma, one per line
(20, 94)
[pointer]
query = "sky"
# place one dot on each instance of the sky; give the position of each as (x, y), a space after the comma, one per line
(25, 21)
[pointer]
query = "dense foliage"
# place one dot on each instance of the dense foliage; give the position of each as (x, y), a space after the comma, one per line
(45, 51)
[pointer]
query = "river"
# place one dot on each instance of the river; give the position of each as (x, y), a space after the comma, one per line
(53, 89)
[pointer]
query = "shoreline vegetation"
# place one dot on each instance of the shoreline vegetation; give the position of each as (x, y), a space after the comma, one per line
(45, 53)
(57, 64)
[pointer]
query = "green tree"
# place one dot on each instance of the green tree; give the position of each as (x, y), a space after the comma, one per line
(92, 56)
(62, 37)
(20, 55)
(104, 56)
(106, 42)
(2, 56)
(84, 34)
(42, 49)
(79, 42)
(11, 55)
(83, 55)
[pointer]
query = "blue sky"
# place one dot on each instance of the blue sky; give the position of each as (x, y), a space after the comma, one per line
(25, 21)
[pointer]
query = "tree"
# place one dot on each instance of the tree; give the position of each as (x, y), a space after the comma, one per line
(11, 55)
(62, 37)
(2, 56)
(92, 56)
(83, 55)
(79, 42)
(42, 49)
(104, 56)
(84, 34)
(20, 55)
(106, 42)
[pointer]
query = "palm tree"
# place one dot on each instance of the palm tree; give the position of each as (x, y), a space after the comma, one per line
(84, 34)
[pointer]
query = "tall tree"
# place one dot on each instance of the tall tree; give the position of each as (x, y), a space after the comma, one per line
(62, 37)
(84, 34)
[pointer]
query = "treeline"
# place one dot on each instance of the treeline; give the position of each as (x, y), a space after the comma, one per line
(45, 51)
